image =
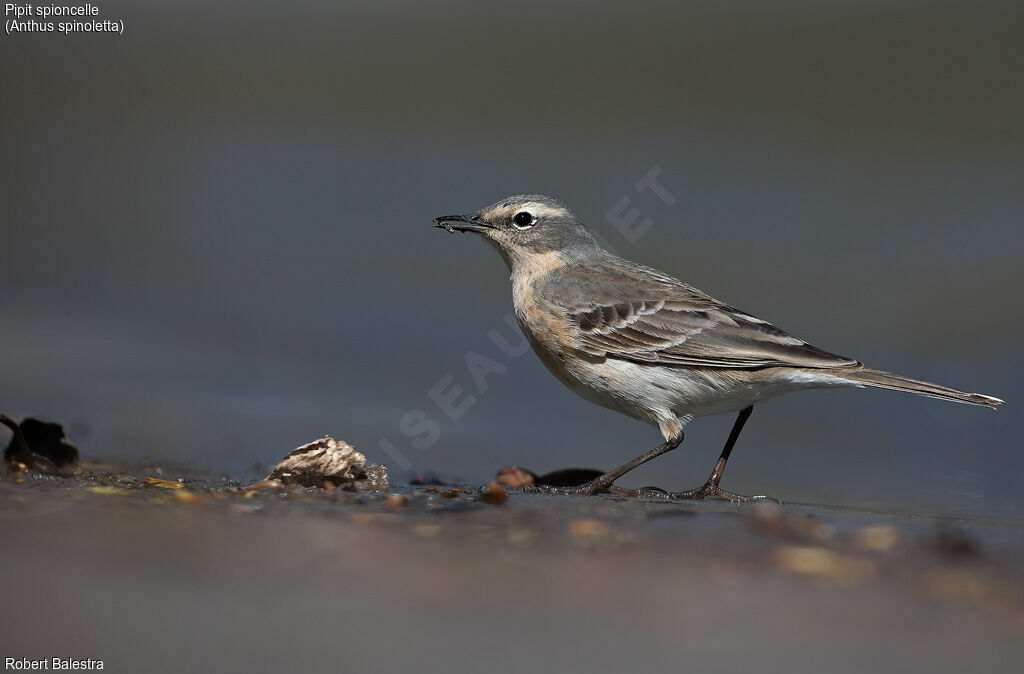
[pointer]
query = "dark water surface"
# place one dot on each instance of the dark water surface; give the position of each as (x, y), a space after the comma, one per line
(217, 242)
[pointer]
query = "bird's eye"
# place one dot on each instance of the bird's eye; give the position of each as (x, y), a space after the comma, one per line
(524, 220)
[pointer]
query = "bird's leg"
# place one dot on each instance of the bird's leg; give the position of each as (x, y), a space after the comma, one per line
(602, 483)
(711, 487)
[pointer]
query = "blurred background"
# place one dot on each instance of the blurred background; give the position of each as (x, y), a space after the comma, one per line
(217, 243)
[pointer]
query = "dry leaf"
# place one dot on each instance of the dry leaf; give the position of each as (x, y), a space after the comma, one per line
(164, 484)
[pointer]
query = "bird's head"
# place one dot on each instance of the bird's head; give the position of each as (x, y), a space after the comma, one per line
(524, 226)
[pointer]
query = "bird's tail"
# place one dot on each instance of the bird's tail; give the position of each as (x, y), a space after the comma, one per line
(894, 382)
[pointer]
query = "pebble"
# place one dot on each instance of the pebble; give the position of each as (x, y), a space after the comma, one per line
(493, 493)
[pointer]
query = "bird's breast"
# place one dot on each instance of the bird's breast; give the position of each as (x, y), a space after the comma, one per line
(548, 329)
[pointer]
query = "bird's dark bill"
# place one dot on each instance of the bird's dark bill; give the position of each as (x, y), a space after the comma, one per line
(461, 223)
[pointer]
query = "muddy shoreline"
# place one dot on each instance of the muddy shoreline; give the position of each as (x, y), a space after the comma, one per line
(327, 580)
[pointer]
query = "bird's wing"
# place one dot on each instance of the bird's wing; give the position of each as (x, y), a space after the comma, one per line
(666, 322)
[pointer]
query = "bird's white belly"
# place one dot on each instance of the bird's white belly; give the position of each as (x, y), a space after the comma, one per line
(651, 392)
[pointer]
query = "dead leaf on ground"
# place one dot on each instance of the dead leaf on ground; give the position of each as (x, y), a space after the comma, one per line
(164, 484)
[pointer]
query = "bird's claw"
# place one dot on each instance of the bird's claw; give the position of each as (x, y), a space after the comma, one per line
(708, 490)
(714, 491)
(643, 492)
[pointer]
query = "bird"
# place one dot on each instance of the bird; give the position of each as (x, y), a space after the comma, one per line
(643, 343)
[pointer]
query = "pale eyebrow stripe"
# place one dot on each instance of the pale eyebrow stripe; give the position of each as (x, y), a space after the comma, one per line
(540, 210)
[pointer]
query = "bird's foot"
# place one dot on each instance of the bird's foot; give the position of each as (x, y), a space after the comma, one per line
(603, 483)
(643, 492)
(708, 490)
(714, 491)
(592, 488)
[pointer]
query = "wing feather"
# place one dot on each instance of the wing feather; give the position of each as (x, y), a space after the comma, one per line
(643, 316)
(679, 333)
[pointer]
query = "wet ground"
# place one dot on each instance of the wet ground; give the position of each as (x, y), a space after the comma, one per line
(154, 574)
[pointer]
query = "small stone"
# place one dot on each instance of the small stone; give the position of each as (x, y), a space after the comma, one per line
(514, 477)
(955, 544)
(877, 538)
(397, 501)
(109, 491)
(188, 496)
(824, 564)
(771, 518)
(588, 528)
(493, 493)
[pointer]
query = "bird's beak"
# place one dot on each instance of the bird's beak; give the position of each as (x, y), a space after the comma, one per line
(469, 222)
